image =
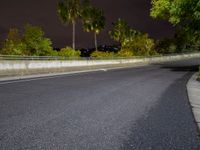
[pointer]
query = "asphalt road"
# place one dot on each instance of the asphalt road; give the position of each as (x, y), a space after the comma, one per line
(144, 108)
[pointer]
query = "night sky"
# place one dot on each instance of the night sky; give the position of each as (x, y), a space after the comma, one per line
(16, 13)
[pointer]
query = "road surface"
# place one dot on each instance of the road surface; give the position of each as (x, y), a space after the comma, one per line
(144, 108)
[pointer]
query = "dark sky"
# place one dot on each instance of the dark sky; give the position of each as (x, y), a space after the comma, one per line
(15, 13)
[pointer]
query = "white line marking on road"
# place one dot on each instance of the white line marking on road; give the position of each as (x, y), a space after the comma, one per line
(56, 75)
(44, 77)
(104, 69)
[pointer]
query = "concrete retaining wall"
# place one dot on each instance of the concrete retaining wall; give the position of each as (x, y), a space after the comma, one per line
(17, 66)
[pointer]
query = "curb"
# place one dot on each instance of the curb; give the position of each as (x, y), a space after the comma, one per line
(193, 89)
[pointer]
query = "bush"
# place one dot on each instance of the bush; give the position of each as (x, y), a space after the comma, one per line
(54, 53)
(32, 42)
(14, 44)
(141, 45)
(12, 48)
(166, 46)
(69, 52)
(125, 53)
(45, 48)
(99, 54)
(36, 43)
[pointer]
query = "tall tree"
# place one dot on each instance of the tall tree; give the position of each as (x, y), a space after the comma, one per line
(181, 13)
(120, 31)
(93, 20)
(69, 11)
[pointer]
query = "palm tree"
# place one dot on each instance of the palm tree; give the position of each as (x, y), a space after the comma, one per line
(93, 20)
(69, 11)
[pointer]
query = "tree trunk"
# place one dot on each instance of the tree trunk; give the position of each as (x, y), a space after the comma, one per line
(95, 41)
(73, 34)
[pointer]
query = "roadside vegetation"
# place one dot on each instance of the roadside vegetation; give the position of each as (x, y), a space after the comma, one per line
(69, 11)
(198, 78)
(69, 52)
(184, 15)
(93, 20)
(31, 42)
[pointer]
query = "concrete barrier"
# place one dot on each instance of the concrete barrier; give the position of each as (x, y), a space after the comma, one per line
(21, 67)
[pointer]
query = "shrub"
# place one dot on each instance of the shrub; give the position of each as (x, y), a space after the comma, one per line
(45, 48)
(36, 43)
(166, 46)
(12, 48)
(13, 45)
(99, 54)
(125, 53)
(69, 52)
(54, 53)
(32, 42)
(141, 45)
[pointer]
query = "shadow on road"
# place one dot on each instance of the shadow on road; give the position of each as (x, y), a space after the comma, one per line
(169, 125)
(185, 66)
(181, 68)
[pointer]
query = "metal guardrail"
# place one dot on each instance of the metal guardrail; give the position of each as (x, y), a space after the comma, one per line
(17, 57)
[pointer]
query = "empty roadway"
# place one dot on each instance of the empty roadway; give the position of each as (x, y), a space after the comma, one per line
(133, 108)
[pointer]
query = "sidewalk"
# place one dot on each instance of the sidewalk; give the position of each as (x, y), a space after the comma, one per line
(193, 88)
